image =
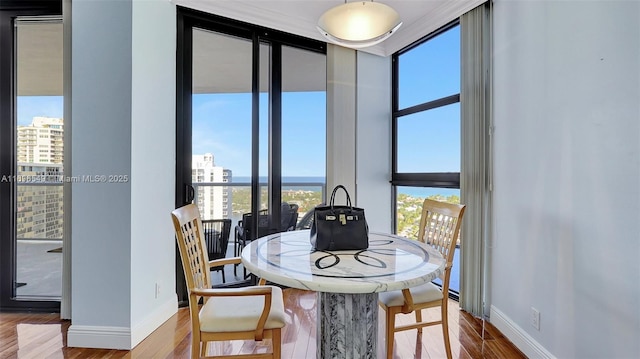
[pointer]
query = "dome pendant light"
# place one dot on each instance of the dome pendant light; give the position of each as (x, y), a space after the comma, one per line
(359, 24)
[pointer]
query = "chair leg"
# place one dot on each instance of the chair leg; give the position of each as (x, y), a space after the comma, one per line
(203, 351)
(276, 343)
(445, 329)
(237, 250)
(419, 319)
(236, 244)
(223, 278)
(195, 345)
(390, 333)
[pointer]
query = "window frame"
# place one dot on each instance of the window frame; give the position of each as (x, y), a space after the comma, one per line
(9, 10)
(187, 21)
(414, 179)
(417, 179)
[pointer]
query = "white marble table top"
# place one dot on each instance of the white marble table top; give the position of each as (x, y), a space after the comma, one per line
(390, 263)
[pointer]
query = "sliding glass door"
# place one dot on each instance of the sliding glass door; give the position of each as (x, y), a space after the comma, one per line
(221, 125)
(249, 102)
(31, 161)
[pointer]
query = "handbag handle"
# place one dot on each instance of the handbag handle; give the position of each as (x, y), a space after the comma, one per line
(333, 196)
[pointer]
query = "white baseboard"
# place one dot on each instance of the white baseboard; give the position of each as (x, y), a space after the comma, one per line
(121, 338)
(86, 336)
(145, 327)
(523, 341)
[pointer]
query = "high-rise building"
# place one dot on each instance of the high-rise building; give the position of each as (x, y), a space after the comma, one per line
(40, 205)
(42, 141)
(213, 201)
(39, 179)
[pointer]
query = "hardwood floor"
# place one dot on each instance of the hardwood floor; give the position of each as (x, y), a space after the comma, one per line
(38, 336)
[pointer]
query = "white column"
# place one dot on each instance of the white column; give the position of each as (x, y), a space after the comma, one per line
(373, 140)
(341, 119)
(101, 146)
(123, 106)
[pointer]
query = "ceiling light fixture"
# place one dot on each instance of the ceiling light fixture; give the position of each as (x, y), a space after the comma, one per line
(359, 24)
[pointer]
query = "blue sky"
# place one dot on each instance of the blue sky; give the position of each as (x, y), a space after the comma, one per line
(38, 106)
(222, 126)
(429, 141)
(431, 70)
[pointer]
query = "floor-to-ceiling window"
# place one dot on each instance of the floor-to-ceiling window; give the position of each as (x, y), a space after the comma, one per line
(251, 119)
(303, 132)
(31, 161)
(426, 128)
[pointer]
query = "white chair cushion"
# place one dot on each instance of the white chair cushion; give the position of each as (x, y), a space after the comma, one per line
(233, 314)
(424, 293)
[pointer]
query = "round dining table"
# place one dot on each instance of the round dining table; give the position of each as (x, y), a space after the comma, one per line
(347, 282)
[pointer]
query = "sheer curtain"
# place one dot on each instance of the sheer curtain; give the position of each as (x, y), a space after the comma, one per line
(475, 181)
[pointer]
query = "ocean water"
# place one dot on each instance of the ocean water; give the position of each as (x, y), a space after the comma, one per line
(288, 179)
(425, 192)
(422, 192)
(246, 179)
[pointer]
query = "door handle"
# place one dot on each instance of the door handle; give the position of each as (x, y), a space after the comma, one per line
(189, 193)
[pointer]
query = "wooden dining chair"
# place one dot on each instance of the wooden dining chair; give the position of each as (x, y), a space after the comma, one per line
(440, 228)
(250, 313)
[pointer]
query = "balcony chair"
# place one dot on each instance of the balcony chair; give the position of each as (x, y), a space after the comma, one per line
(225, 314)
(305, 222)
(288, 216)
(242, 232)
(439, 227)
(216, 238)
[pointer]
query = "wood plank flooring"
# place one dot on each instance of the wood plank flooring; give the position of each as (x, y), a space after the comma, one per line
(39, 336)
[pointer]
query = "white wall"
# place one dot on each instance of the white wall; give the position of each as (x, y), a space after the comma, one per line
(566, 201)
(373, 140)
(153, 153)
(123, 109)
(101, 212)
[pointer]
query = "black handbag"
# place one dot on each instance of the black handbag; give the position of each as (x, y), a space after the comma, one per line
(337, 228)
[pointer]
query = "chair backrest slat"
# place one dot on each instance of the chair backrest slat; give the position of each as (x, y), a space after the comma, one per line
(440, 228)
(190, 238)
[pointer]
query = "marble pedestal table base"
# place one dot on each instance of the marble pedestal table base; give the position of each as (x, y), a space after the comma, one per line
(347, 326)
